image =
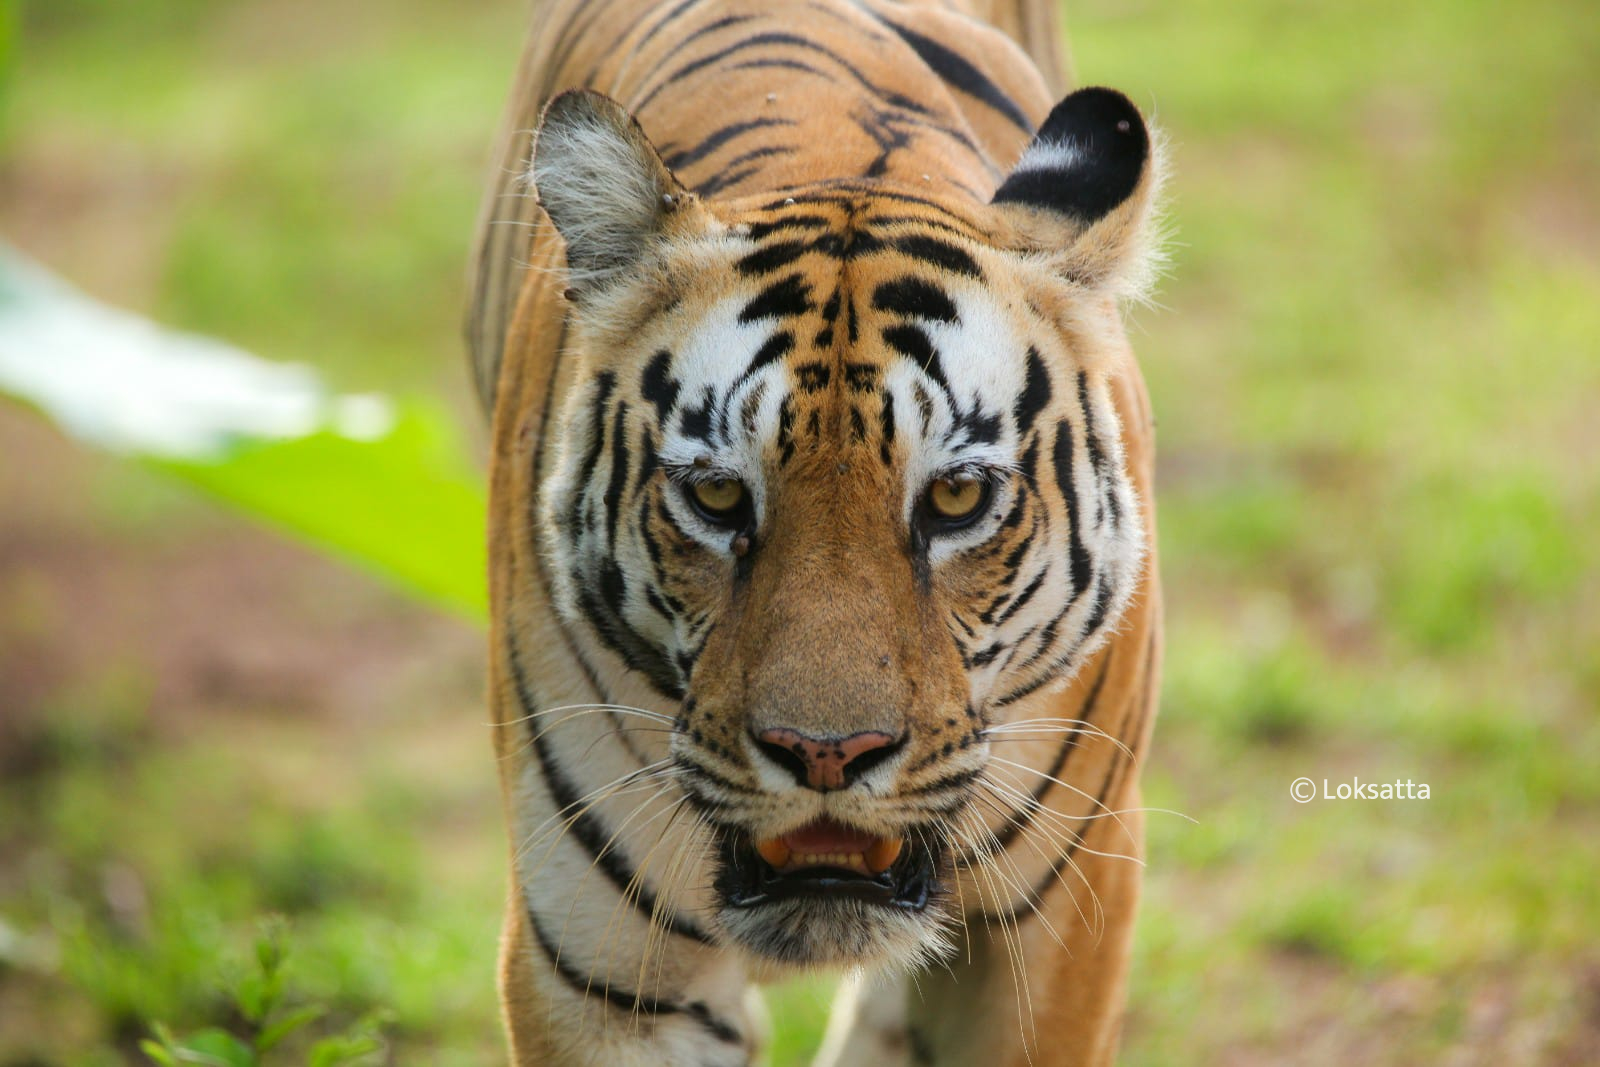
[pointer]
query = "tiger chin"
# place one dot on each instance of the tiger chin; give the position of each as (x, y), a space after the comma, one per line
(824, 610)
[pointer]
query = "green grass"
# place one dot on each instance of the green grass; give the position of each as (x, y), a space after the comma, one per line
(1374, 370)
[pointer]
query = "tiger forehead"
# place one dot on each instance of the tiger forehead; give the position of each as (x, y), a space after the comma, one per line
(847, 329)
(837, 261)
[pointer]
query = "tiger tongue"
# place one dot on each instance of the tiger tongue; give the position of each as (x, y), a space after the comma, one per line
(825, 835)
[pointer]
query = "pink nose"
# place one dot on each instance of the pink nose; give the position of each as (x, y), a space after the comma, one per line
(827, 763)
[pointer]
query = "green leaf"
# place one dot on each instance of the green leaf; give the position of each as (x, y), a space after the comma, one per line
(270, 948)
(157, 1052)
(331, 1051)
(387, 486)
(408, 506)
(257, 995)
(287, 1025)
(217, 1048)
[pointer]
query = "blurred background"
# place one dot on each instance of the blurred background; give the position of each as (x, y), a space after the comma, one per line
(1376, 367)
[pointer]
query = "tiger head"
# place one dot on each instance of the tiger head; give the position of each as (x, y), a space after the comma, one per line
(841, 484)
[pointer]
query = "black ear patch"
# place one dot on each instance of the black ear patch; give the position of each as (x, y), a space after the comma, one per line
(1085, 160)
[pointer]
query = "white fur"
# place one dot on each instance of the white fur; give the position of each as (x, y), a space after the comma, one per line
(602, 194)
(1049, 155)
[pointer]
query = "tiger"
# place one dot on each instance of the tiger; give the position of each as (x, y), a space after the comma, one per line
(825, 618)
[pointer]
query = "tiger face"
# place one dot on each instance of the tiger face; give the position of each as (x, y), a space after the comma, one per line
(842, 483)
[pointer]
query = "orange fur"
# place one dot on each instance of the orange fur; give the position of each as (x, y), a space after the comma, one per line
(831, 626)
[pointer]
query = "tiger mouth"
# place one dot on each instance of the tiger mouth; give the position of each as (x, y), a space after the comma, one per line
(826, 861)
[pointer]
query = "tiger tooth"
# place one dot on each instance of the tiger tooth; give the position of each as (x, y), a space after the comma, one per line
(774, 851)
(883, 853)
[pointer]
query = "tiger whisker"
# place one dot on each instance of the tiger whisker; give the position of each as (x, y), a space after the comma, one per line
(1059, 820)
(626, 709)
(1051, 725)
(630, 895)
(1055, 826)
(624, 783)
(1098, 924)
(1097, 802)
(1014, 954)
(664, 909)
(615, 789)
(997, 852)
(630, 891)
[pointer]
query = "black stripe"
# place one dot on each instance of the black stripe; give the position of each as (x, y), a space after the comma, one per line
(751, 407)
(775, 38)
(949, 781)
(1102, 603)
(1097, 458)
(941, 254)
(737, 168)
(886, 428)
(1023, 597)
(697, 768)
(605, 383)
(917, 220)
(813, 377)
(629, 1002)
(658, 386)
(1042, 885)
(836, 188)
(776, 347)
(618, 478)
(677, 47)
(955, 71)
(717, 139)
(914, 298)
(760, 231)
(1069, 492)
(785, 64)
(671, 17)
(985, 656)
(1035, 393)
(569, 36)
(602, 596)
(790, 296)
(770, 257)
(535, 496)
(587, 829)
(911, 343)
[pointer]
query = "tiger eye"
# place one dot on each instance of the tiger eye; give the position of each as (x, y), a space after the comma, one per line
(954, 499)
(719, 497)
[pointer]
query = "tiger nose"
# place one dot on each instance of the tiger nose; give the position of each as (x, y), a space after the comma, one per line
(827, 763)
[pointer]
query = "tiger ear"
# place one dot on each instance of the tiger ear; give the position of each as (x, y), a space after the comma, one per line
(1084, 190)
(604, 186)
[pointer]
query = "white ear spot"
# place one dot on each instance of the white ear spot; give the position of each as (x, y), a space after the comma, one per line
(1083, 193)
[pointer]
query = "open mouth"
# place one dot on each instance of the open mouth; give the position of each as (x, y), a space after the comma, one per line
(826, 860)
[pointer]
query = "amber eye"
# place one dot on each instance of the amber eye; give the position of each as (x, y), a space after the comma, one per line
(957, 499)
(719, 499)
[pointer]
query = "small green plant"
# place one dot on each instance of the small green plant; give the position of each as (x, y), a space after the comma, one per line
(266, 1019)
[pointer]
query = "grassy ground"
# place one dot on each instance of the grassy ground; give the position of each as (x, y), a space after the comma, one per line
(1375, 372)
